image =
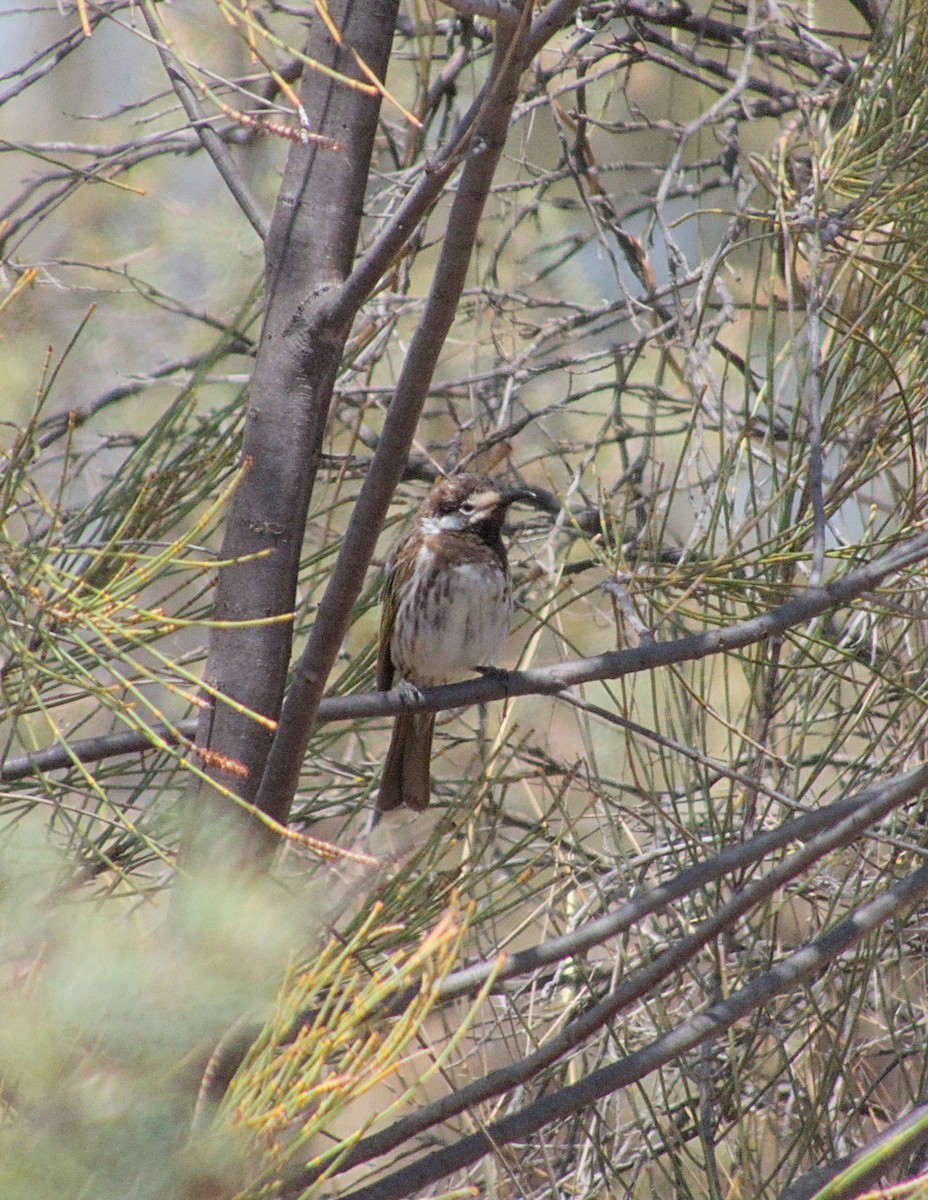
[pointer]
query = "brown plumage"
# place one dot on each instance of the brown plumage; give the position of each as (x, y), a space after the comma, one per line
(446, 608)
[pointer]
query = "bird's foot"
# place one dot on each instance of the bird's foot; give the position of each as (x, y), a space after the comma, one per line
(409, 693)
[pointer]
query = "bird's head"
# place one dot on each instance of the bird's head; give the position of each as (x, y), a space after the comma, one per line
(469, 502)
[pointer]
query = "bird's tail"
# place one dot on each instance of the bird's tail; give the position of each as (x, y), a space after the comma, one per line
(406, 775)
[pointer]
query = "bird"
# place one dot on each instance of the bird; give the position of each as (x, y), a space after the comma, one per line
(447, 601)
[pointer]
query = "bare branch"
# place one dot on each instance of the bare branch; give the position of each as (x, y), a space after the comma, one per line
(213, 144)
(861, 1169)
(48, 58)
(862, 811)
(404, 222)
(309, 251)
(282, 773)
(616, 663)
(493, 10)
(56, 427)
(542, 681)
(93, 749)
(784, 977)
(554, 17)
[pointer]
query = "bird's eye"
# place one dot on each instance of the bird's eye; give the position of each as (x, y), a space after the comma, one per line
(467, 508)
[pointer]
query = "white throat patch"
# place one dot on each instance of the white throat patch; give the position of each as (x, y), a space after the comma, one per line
(454, 521)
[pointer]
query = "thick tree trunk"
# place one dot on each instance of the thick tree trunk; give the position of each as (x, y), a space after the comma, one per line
(309, 252)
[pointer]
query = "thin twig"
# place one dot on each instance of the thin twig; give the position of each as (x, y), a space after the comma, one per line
(212, 142)
(813, 398)
(57, 426)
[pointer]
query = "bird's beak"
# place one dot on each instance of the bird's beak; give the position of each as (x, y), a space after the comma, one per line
(509, 496)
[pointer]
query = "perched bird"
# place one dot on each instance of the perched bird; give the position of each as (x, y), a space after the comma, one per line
(446, 607)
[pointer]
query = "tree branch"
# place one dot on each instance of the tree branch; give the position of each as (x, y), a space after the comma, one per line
(869, 807)
(282, 772)
(795, 969)
(57, 426)
(857, 1172)
(212, 143)
(543, 681)
(403, 223)
(309, 252)
(492, 10)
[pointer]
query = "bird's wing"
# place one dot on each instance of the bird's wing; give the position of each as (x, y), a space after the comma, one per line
(400, 571)
(385, 669)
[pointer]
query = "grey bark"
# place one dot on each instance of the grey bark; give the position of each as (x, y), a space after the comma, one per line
(309, 252)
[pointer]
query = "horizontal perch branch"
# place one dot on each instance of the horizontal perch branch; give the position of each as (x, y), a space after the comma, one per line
(500, 685)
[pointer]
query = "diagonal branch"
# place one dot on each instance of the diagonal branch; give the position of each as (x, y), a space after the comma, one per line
(212, 143)
(615, 664)
(787, 975)
(857, 1172)
(869, 807)
(428, 187)
(282, 772)
(493, 10)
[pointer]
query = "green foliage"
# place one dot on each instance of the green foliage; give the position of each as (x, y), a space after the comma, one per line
(110, 1020)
